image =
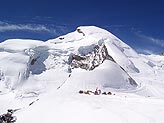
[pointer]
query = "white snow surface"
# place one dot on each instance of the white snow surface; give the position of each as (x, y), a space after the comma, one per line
(36, 77)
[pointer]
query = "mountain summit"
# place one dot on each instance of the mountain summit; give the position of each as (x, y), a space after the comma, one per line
(88, 58)
(88, 75)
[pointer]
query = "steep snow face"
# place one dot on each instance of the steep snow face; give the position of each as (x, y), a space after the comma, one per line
(25, 62)
(14, 62)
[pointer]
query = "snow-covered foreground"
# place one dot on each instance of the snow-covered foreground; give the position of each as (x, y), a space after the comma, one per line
(59, 107)
(43, 80)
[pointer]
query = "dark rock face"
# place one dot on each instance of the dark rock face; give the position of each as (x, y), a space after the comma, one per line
(92, 59)
(8, 118)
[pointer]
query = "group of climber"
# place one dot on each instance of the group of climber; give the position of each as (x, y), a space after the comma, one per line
(96, 92)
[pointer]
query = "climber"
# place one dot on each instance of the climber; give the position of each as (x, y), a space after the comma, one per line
(97, 92)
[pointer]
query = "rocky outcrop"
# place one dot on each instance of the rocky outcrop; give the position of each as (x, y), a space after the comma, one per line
(162, 54)
(8, 117)
(61, 38)
(80, 31)
(91, 60)
(91, 57)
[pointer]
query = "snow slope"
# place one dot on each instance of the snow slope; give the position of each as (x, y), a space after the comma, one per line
(43, 79)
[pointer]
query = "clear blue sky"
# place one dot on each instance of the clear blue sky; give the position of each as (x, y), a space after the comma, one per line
(139, 23)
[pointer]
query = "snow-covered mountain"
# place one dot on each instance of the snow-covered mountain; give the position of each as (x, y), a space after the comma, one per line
(43, 79)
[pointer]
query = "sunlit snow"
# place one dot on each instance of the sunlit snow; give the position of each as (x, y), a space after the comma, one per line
(37, 78)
